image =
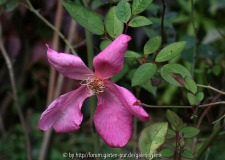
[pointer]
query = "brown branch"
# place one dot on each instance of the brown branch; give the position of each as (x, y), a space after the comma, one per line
(15, 96)
(52, 77)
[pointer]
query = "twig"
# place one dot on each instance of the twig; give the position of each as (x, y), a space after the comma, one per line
(127, 25)
(212, 88)
(209, 140)
(200, 106)
(193, 23)
(162, 20)
(52, 77)
(31, 8)
(15, 96)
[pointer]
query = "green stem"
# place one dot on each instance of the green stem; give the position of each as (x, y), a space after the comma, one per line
(200, 106)
(193, 24)
(90, 54)
(31, 8)
(212, 88)
(209, 140)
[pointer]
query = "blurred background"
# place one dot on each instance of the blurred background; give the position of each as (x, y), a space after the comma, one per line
(25, 35)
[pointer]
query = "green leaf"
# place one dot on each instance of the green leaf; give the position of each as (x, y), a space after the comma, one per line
(192, 99)
(187, 154)
(152, 137)
(143, 73)
(2, 1)
(132, 54)
(104, 44)
(216, 70)
(139, 21)
(123, 11)
(139, 6)
(11, 5)
(152, 45)
(181, 126)
(174, 68)
(170, 134)
(170, 51)
(121, 74)
(113, 25)
(173, 118)
(189, 132)
(167, 152)
(200, 96)
(191, 85)
(85, 17)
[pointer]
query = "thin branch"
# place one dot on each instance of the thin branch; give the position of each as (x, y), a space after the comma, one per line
(200, 106)
(127, 25)
(52, 78)
(31, 8)
(212, 88)
(162, 20)
(195, 30)
(15, 96)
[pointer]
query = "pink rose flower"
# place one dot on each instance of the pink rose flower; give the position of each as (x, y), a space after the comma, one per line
(113, 115)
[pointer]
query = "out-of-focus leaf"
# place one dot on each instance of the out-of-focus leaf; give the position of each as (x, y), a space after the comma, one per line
(187, 154)
(173, 118)
(11, 5)
(150, 32)
(174, 68)
(105, 1)
(158, 21)
(170, 51)
(152, 45)
(189, 40)
(192, 99)
(123, 11)
(104, 44)
(85, 17)
(152, 137)
(113, 25)
(207, 51)
(143, 73)
(139, 21)
(2, 1)
(167, 152)
(187, 55)
(139, 6)
(216, 70)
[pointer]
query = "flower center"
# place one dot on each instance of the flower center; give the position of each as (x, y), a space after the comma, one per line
(94, 85)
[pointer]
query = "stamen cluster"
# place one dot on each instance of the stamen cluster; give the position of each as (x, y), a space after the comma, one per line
(95, 85)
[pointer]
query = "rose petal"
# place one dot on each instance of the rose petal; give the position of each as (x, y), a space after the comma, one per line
(110, 61)
(64, 112)
(69, 65)
(128, 99)
(112, 120)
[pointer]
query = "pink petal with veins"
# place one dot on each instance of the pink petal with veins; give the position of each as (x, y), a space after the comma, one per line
(112, 120)
(69, 65)
(110, 61)
(64, 112)
(128, 99)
